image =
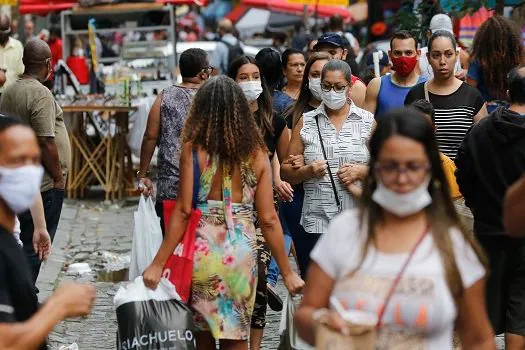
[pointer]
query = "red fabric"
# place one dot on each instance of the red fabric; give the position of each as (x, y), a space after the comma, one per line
(56, 51)
(179, 267)
(283, 6)
(43, 7)
(79, 67)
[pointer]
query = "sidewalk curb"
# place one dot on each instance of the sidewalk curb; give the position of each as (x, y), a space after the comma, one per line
(52, 268)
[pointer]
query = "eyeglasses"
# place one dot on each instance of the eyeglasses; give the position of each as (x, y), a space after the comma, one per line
(390, 172)
(338, 89)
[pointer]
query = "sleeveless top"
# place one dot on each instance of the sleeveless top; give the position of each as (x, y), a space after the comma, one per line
(392, 96)
(348, 146)
(174, 108)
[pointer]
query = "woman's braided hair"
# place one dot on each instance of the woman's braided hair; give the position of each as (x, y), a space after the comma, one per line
(498, 48)
(221, 123)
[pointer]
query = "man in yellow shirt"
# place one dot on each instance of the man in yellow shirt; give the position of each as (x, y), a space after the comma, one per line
(11, 53)
(449, 167)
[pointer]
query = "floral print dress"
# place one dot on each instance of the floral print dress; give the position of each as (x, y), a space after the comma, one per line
(225, 261)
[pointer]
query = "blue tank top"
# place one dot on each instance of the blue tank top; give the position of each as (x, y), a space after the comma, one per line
(392, 96)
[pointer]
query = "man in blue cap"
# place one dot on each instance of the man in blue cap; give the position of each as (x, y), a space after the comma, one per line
(334, 45)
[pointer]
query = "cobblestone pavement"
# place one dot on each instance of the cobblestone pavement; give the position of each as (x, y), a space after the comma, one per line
(88, 229)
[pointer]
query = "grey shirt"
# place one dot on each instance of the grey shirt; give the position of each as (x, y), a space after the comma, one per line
(219, 57)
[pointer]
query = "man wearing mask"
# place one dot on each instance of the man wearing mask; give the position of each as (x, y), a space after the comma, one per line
(490, 159)
(164, 128)
(11, 51)
(33, 103)
(333, 44)
(23, 323)
(389, 91)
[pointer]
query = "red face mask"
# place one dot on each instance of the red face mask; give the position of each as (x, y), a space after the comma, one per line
(404, 65)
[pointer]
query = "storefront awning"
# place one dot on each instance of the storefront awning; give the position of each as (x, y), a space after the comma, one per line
(43, 7)
(298, 9)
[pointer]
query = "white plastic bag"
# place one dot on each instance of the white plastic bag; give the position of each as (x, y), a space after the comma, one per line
(289, 338)
(147, 237)
(152, 319)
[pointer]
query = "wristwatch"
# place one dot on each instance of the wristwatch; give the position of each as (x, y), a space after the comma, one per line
(141, 175)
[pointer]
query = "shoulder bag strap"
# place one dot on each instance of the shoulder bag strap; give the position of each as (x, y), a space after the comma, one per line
(398, 278)
(328, 165)
(425, 87)
(196, 179)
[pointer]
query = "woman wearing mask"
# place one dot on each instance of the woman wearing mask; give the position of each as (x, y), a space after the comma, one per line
(235, 176)
(457, 104)
(309, 99)
(245, 71)
(328, 153)
(497, 48)
(403, 256)
(293, 68)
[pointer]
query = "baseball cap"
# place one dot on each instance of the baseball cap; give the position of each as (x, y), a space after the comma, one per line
(441, 22)
(383, 61)
(333, 39)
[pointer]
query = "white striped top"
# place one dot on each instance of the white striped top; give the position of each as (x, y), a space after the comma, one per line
(349, 146)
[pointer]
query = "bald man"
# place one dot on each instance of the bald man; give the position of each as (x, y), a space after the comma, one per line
(11, 51)
(227, 49)
(32, 102)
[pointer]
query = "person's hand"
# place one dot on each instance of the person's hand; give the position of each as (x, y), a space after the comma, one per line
(60, 184)
(335, 322)
(297, 162)
(293, 283)
(285, 190)
(75, 299)
(41, 243)
(3, 78)
(152, 276)
(145, 186)
(350, 173)
(462, 74)
(318, 168)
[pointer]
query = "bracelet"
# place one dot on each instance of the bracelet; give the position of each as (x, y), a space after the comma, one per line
(140, 175)
(319, 313)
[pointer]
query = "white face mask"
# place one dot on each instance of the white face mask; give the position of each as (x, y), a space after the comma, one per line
(402, 204)
(252, 89)
(19, 186)
(334, 100)
(314, 84)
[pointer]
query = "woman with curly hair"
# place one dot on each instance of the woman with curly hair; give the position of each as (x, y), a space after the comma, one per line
(222, 136)
(497, 48)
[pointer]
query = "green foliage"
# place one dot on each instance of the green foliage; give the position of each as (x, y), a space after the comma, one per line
(417, 20)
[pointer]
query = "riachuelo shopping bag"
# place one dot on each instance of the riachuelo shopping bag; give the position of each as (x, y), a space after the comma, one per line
(152, 319)
(179, 267)
(147, 237)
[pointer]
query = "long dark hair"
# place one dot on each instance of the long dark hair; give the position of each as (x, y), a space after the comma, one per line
(498, 47)
(269, 62)
(264, 101)
(220, 121)
(298, 108)
(441, 214)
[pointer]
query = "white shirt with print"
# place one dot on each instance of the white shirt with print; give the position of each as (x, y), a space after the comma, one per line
(421, 312)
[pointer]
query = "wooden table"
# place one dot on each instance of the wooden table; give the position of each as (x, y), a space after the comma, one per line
(103, 159)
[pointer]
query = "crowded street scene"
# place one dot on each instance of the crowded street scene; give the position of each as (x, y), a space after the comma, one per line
(275, 175)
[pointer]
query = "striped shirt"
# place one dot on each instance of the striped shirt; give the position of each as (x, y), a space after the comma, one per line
(454, 114)
(349, 146)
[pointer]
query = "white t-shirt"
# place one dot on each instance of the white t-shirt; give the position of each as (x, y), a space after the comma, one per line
(421, 312)
(425, 68)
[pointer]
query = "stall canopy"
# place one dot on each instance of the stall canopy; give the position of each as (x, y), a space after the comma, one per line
(323, 11)
(43, 7)
(249, 21)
